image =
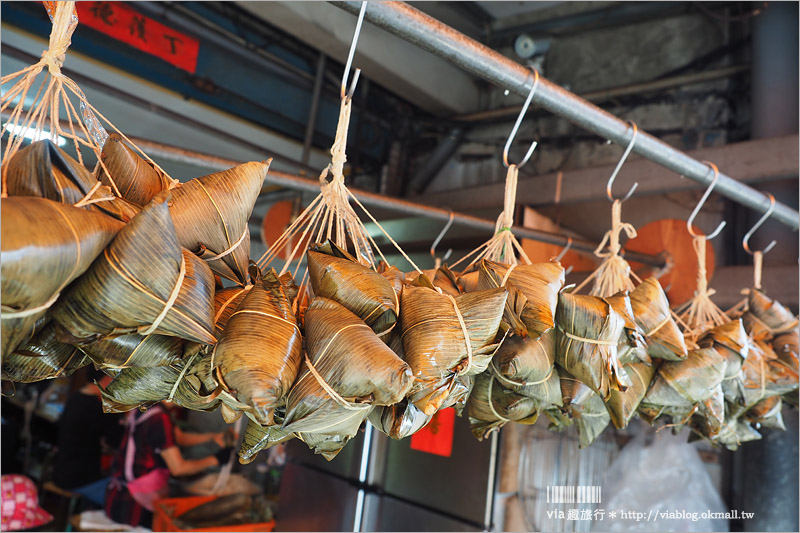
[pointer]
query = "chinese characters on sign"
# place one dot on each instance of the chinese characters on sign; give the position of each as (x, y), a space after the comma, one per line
(121, 22)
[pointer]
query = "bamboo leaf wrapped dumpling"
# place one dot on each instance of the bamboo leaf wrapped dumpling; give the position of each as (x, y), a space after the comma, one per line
(586, 344)
(187, 383)
(44, 170)
(491, 406)
(632, 345)
(257, 358)
(42, 357)
(679, 386)
(45, 246)
(336, 275)
(211, 214)
(347, 370)
(623, 405)
(138, 350)
(143, 283)
(403, 419)
(445, 337)
(770, 312)
(582, 408)
(539, 283)
(651, 312)
(137, 179)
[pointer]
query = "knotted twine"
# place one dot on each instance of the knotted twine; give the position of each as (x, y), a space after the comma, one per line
(53, 92)
(501, 247)
(700, 312)
(330, 215)
(614, 273)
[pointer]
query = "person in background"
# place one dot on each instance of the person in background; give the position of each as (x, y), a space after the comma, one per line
(84, 432)
(148, 456)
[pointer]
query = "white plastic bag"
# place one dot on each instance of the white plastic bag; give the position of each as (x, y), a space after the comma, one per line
(659, 483)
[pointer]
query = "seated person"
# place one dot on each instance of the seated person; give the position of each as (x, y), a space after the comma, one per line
(148, 456)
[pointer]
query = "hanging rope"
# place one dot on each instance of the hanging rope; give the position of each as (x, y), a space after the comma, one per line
(503, 246)
(52, 98)
(700, 313)
(614, 273)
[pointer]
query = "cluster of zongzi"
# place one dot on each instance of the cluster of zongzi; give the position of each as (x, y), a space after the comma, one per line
(117, 270)
(123, 269)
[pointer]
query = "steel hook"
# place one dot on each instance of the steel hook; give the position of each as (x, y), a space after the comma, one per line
(519, 121)
(440, 236)
(619, 166)
(746, 239)
(344, 92)
(703, 199)
(563, 252)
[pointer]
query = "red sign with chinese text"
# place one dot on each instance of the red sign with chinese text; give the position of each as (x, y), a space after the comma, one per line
(437, 436)
(121, 22)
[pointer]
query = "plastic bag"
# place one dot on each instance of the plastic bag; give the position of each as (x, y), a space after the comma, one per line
(659, 483)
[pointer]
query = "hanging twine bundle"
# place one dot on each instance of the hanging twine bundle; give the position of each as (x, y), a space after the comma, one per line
(330, 216)
(52, 98)
(503, 246)
(700, 313)
(614, 273)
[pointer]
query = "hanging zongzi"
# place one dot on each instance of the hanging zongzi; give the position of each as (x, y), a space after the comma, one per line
(446, 336)
(586, 344)
(143, 282)
(337, 275)
(45, 246)
(211, 214)
(258, 355)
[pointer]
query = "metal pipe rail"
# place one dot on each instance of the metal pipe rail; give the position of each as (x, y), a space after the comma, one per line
(291, 181)
(274, 177)
(428, 33)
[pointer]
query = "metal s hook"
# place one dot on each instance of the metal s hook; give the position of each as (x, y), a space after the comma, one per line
(440, 236)
(703, 199)
(563, 252)
(344, 92)
(519, 121)
(619, 166)
(746, 239)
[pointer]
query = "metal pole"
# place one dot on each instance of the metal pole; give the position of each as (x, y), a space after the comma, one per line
(430, 34)
(614, 92)
(291, 181)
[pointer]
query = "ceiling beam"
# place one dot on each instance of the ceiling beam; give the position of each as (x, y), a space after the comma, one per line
(746, 162)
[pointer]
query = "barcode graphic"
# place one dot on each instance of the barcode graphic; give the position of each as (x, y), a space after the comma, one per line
(574, 494)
